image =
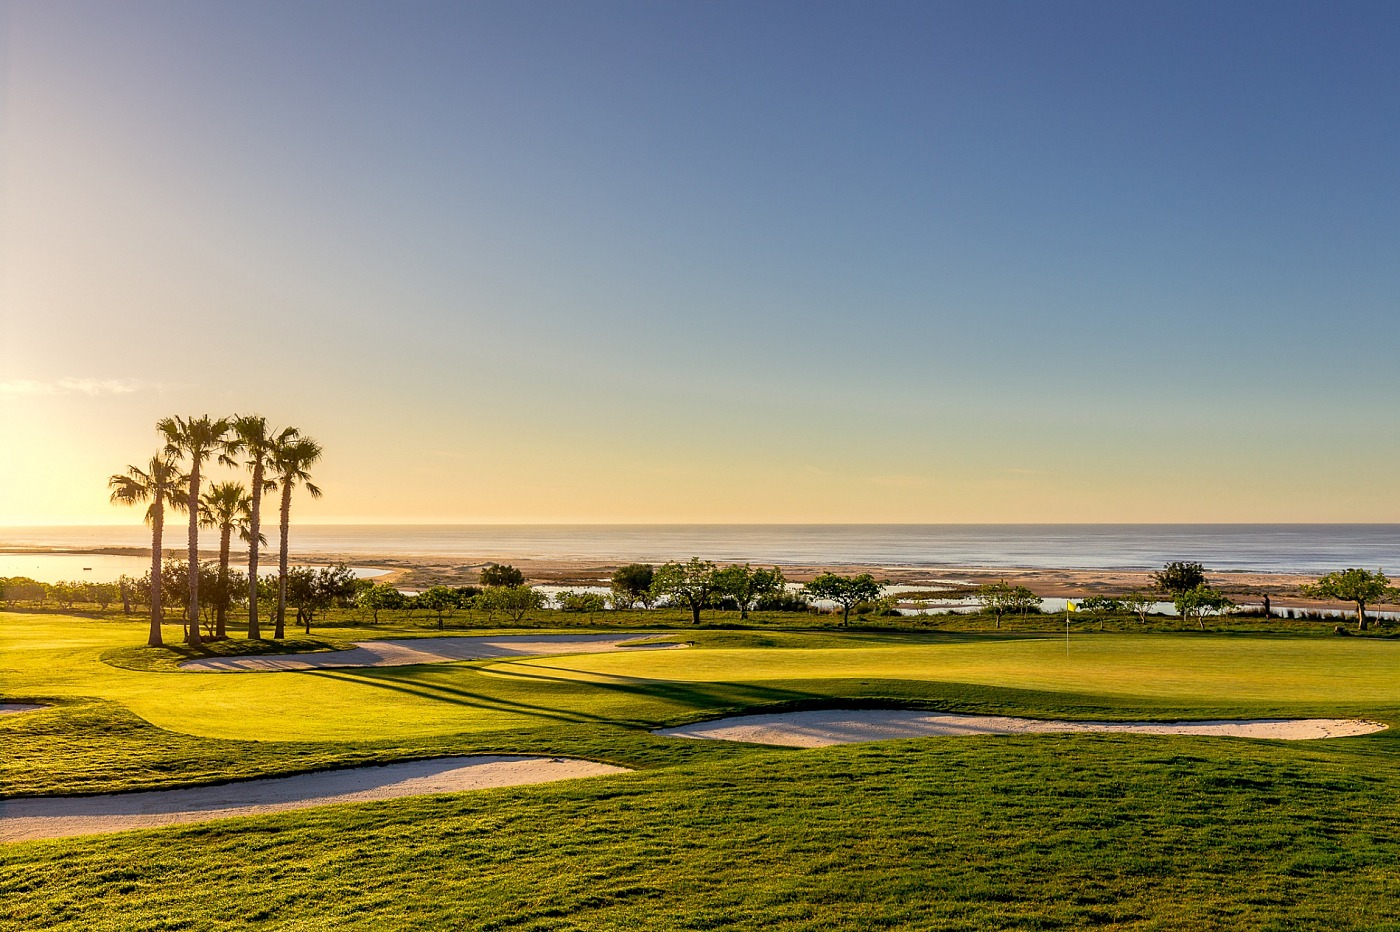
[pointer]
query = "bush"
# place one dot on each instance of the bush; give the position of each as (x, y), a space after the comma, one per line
(501, 574)
(783, 602)
(589, 602)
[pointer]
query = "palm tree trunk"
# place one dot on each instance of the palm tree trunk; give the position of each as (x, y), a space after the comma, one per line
(282, 562)
(157, 528)
(193, 636)
(221, 609)
(254, 631)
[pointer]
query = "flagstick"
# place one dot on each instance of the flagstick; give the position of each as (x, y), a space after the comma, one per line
(1066, 628)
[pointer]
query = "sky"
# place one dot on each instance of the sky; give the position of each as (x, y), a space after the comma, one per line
(711, 261)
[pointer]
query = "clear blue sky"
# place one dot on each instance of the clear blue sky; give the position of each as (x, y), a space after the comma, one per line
(715, 261)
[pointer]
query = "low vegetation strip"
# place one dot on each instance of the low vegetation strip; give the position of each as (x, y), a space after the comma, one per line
(821, 728)
(31, 819)
(412, 651)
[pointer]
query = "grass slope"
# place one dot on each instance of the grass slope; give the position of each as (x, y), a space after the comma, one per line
(987, 833)
(1035, 832)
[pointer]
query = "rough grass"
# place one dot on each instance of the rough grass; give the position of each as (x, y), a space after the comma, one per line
(989, 833)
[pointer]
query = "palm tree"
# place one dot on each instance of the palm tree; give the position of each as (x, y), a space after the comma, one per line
(197, 439)
(253, 437)
(225, 506)
(160, 484)
(290, 462)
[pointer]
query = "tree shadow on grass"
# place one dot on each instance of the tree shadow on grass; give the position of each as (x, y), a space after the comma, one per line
(718, 696)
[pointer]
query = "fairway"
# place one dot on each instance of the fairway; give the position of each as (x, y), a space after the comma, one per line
(51, 657)
(1182, 669)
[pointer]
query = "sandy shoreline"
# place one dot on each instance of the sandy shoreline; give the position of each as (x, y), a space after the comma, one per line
(54, 817)
(419, 571)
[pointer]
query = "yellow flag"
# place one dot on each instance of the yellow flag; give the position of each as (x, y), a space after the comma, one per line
(1070, 606)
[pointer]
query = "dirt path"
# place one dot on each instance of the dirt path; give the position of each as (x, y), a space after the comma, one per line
(827, 727)
(408, 651)
(30, 819)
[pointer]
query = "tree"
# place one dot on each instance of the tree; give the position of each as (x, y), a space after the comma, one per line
(443, 600)
(1352, 585)
(845, 591)
(104, 594)
(501, 574)
(378, 596)
(1101, 606)
(290, 466)
(23, 589)
(1200, 602)
(173, 589)
(1139, 603)
(160, 485)
(226, 506)
(692, 583)
(746, 585)
(196, 439)
(995, 598)
(311, 590)
(631, 584)
(250, 436)
(1178, 577)
(65, 593)
(1020, 599)
(513, 601)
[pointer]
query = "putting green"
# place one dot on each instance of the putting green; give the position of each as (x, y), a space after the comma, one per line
(56, 656)
(1178, 668)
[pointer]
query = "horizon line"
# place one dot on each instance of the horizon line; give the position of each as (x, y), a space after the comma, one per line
(646, 524)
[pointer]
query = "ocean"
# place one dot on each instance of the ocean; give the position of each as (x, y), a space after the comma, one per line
(1300, 548)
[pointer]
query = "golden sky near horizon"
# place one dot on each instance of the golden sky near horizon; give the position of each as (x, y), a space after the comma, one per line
(373, 472)
(512, 269)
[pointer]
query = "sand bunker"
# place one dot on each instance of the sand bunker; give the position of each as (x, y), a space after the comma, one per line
(408, 651)
(833, 726)
(14, 708)
(29, 819)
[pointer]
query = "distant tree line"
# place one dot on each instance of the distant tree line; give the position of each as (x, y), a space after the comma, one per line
(695, 585)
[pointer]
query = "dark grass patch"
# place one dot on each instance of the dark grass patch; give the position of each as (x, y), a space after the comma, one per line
(167, 659)
(1125, 832)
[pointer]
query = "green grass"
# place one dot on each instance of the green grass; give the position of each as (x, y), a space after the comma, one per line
(1073, 831)
(1017, 833)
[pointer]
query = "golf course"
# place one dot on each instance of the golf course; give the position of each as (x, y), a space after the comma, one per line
(1027, 831)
